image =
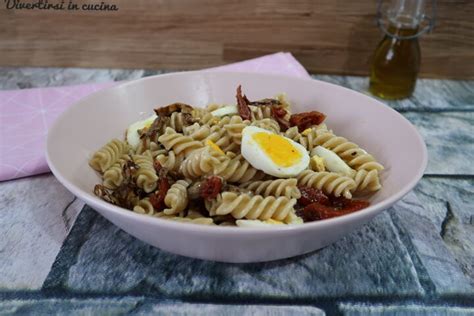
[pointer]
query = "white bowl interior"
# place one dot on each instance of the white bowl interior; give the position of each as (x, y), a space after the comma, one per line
(94, 121)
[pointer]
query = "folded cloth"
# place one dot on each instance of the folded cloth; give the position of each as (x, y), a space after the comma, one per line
(26, 115)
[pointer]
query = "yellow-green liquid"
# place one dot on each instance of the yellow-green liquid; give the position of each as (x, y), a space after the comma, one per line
(395, 65)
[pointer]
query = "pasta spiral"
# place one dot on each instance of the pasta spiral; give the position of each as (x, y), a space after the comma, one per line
(113, 177)
(268, 124)
(237, 169)
(176, 198)
(279, 187)
(178, 143)
(193, 214)
(171, 161)
(208, 119)
(367, 180)
(329, 182)
(306, 138)
(220, 137)
(105, 157)
(144, 207)
(252, 207)
(293, 133)
(234, 128)
(197, 132)
(201, 162)
(146, 177)
(294, 219)
(260, 112)
(283, 98)
(177, 121)
(223, 121)
(153, 147)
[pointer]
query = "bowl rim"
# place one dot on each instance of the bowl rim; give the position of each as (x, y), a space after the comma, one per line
(95, 202)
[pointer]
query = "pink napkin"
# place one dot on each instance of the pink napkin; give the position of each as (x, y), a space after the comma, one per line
(25, 115)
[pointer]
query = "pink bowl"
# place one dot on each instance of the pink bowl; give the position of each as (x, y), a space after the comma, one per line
(92, 122)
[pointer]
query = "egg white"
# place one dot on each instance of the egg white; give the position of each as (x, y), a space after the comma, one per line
(257, 157)
(333, 162)
(225, 110)
(132, 136)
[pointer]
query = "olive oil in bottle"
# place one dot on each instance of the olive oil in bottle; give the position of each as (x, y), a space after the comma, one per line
(396, 60)
(395, 64)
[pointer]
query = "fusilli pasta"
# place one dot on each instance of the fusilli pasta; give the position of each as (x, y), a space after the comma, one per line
(176, 198)
(154, 148)
(237, 169)
(105, 157)
(171, 161)
(197, 132)
(221, 138)
(201, 162)
(329, 182)
(367, 180)
(146, 174)
(268, 124)
(260, 112)
(144, 207)
(113, 177)
(252, 207)
(279, 187)
(234, 128)
(178, 143)
(178, 121)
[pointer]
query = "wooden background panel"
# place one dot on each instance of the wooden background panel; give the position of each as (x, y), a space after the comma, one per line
(327, 36)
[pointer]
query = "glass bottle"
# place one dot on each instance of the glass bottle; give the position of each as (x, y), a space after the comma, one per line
(396, 60)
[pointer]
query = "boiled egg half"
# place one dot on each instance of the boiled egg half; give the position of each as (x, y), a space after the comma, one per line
(274, 154)
(133, 138)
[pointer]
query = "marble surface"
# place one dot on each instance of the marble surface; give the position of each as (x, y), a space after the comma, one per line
(36, 214)
(59, 256)
(350, 267)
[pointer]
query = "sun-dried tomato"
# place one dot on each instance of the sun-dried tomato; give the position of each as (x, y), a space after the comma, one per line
(211, 187)
(246, 100)
(307, 119)
(174, 107)
(157, 199)
(310, 195)
(279, 113)
(157, 127)
(266, 102)
(243, 105)
(317, 211)
(341, 203)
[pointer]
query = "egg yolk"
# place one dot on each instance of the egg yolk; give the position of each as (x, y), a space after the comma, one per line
(214, 146)
(278, 149)
(145, 127)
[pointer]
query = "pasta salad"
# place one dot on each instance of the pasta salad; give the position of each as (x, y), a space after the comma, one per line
(248, 164)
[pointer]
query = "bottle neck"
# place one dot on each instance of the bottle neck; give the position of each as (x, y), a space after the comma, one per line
(405, 19)
(399, 31)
